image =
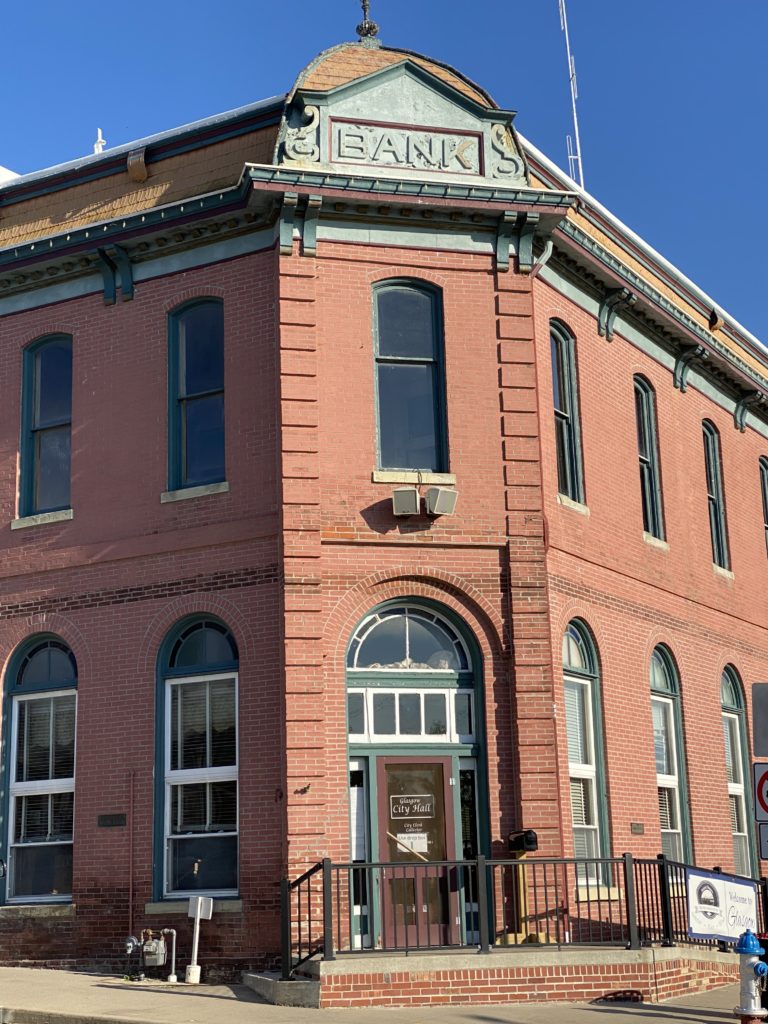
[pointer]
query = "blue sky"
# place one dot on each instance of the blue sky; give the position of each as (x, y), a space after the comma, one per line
(672, 95)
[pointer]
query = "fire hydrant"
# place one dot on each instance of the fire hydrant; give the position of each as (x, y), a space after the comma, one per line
(751, 970)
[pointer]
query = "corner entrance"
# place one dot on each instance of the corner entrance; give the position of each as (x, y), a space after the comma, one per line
(417, 790)
(415, 834)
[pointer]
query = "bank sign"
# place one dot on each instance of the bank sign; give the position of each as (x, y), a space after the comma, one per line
(387, 145)
(719, 906)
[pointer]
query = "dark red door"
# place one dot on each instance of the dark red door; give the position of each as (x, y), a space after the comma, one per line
(419, 898)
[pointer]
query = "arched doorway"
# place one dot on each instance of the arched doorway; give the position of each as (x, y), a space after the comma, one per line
(415, 726)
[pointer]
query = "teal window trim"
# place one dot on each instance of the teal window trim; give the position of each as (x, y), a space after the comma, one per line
(436, 362)
(178, 453)
(33, 430)
(718, 526)
(565, 399)
(165, 673)
(585, 672)
(665, 683)
(764, 495)
(356, 678)
(732, 704)
(648, 457)
(13, 689)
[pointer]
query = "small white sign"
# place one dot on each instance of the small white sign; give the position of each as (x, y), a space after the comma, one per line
(760, 777)
(416, 842)
(719, 906)
(205, 903)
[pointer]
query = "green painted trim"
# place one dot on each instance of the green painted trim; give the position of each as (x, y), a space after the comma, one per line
(28, 457)
(9, 692)
(569, 386)
(440, 419)
(307, 181)
(640, 286)
(176, 480)
(162, 674)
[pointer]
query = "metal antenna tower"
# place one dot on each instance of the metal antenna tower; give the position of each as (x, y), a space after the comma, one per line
(575, 167)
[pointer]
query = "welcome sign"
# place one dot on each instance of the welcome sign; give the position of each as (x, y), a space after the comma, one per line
(719, 906)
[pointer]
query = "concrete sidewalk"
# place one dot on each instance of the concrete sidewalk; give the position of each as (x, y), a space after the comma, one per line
(62, 997)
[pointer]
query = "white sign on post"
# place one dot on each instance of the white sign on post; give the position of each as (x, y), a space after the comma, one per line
(760, 776)
(201, 909)
(719, 906)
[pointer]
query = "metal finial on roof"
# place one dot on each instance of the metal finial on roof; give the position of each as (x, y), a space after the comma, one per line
(367, 29)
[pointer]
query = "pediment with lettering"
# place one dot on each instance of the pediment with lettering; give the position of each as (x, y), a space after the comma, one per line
(401, 122)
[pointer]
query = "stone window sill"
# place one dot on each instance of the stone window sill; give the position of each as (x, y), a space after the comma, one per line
(655, 542)
(726, 574)
(575, 506)
(194, 492)
(42, 518)
(170, 906)
(47, 910)
(406, 476)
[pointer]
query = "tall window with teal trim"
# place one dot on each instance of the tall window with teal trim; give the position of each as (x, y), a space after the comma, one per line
(410, 384)
(736, 768)
(198, 751)
(46, 426)
(41, 704)
(648, 456)
(715, 496)
(669, 756)
(196, 385)
(583, 725)
(570, 477)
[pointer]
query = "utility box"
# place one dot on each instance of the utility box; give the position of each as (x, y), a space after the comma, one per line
(524, 841)
(155, 952)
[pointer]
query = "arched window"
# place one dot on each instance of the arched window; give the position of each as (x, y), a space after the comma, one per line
(570, 477)
(648, 455)
(718, 527)
(42, 681)
(198, 787)
(583, 724)
(409, 641)
(196, 393)
(46, 426)
(410, 385)
(736, 767)
(669, 755)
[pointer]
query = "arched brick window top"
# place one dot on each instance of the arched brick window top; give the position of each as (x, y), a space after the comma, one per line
(44, 664)
(203, 645)
(579, 652)
(663, 672)
(407, 638)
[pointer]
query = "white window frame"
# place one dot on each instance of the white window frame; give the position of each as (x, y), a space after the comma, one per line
(736, 788)
(671, 781)
(586, 772)
(45, 787)
(449, 736)
(191, 776)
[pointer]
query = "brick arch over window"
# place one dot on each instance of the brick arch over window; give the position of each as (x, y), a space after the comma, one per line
(17, 633)
(193, 605)
(443, 587)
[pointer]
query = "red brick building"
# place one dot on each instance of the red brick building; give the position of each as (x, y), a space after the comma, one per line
(232, 353)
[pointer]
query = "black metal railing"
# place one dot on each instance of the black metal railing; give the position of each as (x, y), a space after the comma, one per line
(405, 906)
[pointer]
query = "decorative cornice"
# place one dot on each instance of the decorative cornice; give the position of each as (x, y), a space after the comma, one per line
(612, 302)
(618, 273)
